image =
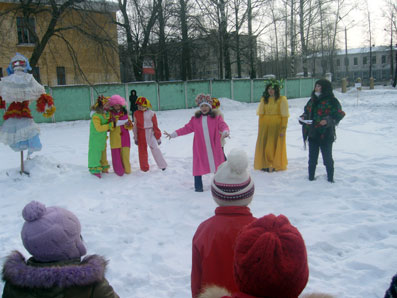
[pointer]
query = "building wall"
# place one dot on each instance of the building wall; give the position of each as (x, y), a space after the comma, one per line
(358, 64)
(89, 54)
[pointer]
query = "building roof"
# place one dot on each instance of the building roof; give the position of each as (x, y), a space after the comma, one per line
(364, 50)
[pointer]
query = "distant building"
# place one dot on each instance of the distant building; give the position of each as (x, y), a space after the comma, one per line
(358, 64)
(57, 66)
(205, 58)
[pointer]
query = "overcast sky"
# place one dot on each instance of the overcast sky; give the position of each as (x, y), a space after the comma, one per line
(358, 36)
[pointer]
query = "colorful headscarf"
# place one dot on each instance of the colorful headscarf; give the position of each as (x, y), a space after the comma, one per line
(204, 99)
(143, 102)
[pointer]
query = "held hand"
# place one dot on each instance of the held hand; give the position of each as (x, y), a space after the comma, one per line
(167, 135)
(136, 142)
(323, 122)
(225, 134)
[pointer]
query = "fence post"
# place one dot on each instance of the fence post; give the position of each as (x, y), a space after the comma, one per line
(300, 88)
(286, 88)
(185, 84)
(211, 87)
(91, 95)
(53, 115)
(252, 91)
(232, 88)
(126, 96)
(158, 95)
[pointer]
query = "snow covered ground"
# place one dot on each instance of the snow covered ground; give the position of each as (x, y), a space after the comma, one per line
(144, 222)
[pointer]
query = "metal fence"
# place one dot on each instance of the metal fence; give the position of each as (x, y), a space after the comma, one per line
(73, 102)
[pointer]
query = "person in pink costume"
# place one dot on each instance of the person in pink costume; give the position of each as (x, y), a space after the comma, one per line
(213, 243)
(147, 133)
(207, 150)
(120, 142)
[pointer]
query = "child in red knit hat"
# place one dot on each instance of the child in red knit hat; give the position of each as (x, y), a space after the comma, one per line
(270, 261)
(213, 243)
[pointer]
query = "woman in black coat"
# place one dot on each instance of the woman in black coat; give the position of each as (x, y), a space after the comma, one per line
(322, 113)
(133, 105)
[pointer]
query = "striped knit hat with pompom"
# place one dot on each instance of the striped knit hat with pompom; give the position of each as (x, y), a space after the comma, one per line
(232, 184)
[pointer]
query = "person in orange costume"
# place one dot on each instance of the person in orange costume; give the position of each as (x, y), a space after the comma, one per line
(147, 132)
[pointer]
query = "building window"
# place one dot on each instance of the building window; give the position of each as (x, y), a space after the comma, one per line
(373, 59)
(337, 62)
(36, 73)
(355, 61)
(365, 60)
(383, 59)
(24, 36)
(61, 75)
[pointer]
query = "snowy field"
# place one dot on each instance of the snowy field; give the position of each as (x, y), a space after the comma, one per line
(144, 222)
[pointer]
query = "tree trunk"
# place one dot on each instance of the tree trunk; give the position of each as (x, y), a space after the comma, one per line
(250, 42)
(186, 70)
(302, 36)
(292, 32)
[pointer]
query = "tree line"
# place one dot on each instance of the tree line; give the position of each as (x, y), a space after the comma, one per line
(277, 33)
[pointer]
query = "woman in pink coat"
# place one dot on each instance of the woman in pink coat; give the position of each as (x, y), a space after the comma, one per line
(207, 149)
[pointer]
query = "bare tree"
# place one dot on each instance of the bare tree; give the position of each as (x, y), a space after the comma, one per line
(138, 19)
(65, 21)
(186, 69)
(239, 19)
(162, 73)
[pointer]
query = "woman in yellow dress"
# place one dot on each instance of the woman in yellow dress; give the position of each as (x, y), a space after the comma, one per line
(271, 149)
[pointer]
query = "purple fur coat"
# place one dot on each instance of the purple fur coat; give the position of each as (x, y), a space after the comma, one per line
(73, 278)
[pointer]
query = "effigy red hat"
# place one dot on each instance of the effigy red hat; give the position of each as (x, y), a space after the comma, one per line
(270, 259)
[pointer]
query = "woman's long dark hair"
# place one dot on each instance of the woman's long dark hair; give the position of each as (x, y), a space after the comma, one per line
(266, 94)
(326, 89)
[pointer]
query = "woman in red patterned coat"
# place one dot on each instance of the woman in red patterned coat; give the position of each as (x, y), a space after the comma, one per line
(322, 113)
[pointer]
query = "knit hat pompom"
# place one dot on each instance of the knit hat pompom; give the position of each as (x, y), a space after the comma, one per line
(238, 161)
(232, 184)
(270, 259)
(33, 211)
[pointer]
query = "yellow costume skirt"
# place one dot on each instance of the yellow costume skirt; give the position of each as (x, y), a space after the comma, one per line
(271, 149)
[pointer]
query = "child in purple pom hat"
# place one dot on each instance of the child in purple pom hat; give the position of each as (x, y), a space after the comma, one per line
(52, 236)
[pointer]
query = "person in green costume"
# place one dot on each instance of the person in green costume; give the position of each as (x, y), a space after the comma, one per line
(99, 126)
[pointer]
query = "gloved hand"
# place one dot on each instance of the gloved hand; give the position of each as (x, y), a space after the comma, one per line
(159, 141)
(136, 142)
